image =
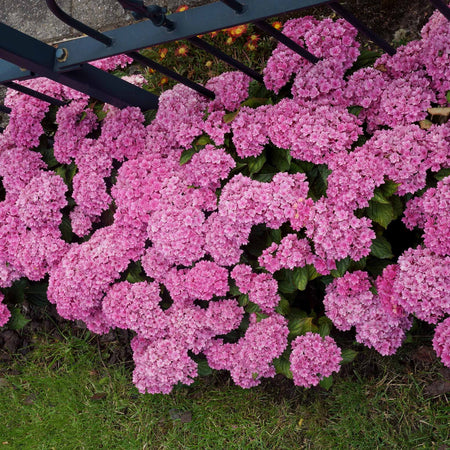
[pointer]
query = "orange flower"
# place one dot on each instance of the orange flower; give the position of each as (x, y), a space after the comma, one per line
(229, 40)
(213, 33)
(182, 50)
(250, 45)
(150, 71)
(182, 8)
(237, 31)
(163, 81)
(253, 38)
(163, 52)
(277, 25)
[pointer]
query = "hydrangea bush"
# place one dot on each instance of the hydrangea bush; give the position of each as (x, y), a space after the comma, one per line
(239, 233)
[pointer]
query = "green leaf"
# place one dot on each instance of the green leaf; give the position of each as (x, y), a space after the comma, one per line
(61, 171)
(234, 290)
(256, 164)
(283, 307)
(16, 293)
(149, 116)
(397, 205)
(317, 178)
(256, 89)
(36, 293)
(100, 114)
(135, 274)
(366, 58)
(355, 110)
(312, 272)
(203, 140)
(381, 248)
(281, 159)
(301, 326)
(341, 267)
(348, 355)
(275, 235)
(264, 177)
(66, 228)
(447, 96)
(286, 284)
(227, 118)
(358, 265)
(254, 102)
(296, 168)
(326, 279)
(327, 382)
(375, 266)
(187, 155)
(443, 173)
(325, 326)
(203, 368)
(70, 172)
(17, 320)
(304, 166)
(381, 213)
(48, 157)
(252, 308)
(260, 316)
(301, 277)
(388, 188)
(243, 300)
(380, 198)
(282, 365)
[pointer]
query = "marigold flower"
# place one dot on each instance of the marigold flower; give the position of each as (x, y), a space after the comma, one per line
(253, 38)
(277, 25)
(162, 52)
(237, 31)
(213, 34)
(163, 81)
(208, 63)
(182, 8)
(229, 40)
(250, 45)
(182, 50)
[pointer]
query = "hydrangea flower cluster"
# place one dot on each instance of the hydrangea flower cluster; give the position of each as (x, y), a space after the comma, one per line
(189, 241)
(4, 312)
(350, 302)
(431, 212)
(250, 359)
(313, 359)
(441, 341)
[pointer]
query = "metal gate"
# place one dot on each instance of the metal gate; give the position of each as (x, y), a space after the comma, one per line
(24, 57)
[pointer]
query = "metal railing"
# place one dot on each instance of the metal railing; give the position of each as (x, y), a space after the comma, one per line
(24, 57)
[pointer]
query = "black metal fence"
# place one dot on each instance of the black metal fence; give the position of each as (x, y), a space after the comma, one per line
(23, 57)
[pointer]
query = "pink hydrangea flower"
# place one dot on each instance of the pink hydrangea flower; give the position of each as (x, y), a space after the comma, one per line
(4, 312)
(231, 90)
(313, 358)
(441, 341)
(250, 359)
(422, 284)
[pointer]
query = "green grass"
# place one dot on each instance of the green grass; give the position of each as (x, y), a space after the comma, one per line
(62, 395)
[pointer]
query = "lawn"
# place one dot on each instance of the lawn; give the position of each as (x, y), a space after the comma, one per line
(63, 392)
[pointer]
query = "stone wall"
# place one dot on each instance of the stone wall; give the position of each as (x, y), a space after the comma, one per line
(34, 18)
